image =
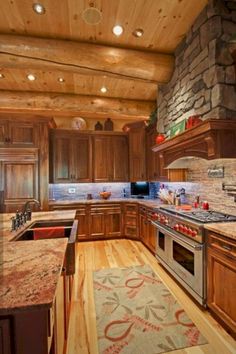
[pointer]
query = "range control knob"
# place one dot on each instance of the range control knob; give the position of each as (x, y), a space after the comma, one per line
(181, 228)
(194, 233)
(176, 227)
(154, 216)
(166, 221)
(185, 229)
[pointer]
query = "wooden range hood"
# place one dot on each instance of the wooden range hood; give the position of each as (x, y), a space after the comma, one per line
(212, 139)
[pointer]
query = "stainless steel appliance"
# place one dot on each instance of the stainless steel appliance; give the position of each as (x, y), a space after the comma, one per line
(181, 245)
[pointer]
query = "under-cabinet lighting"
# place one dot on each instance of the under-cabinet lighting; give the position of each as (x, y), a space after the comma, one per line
(31, 77)
(103, 89)
(117, 30)
(39, 8)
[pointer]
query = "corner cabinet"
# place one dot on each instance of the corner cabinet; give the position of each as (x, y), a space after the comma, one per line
(70, 157)
(221, 279)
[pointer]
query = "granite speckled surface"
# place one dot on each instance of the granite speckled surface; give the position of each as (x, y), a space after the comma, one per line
(227, 229)
(29, 273)
(5, 226)
(147, 202)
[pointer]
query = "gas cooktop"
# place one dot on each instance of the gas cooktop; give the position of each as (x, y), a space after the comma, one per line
(202, 216)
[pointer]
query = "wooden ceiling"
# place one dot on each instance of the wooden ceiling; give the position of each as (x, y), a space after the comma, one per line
(60, 43)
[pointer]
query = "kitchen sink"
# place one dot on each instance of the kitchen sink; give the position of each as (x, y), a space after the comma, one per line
(70, 227)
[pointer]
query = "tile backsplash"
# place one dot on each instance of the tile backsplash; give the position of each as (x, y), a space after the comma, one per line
(74, 191)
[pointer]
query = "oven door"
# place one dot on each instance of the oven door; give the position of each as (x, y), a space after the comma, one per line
(186, 259)
(163, 243)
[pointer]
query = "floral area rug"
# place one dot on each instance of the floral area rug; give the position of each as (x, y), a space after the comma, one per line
(137, 314)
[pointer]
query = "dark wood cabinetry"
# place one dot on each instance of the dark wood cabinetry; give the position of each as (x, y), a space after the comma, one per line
(137, 152)
(19, 177)
(13, 132)
(147, 229)
(221, 279)
(105, 221)
(153, 170)
(131, 220)
(70, 157)
(5, 336)
(110, 158)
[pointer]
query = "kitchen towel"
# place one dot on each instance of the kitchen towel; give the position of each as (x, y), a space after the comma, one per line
(49, 232)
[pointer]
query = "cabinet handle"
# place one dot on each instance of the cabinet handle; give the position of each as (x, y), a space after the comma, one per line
(228, 248)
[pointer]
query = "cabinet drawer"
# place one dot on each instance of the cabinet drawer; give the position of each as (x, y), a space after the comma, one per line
(130, 220)
(131, 209)
(225, 246)
(131, 231)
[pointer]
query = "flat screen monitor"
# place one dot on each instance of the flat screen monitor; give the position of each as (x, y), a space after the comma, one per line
(140, 189)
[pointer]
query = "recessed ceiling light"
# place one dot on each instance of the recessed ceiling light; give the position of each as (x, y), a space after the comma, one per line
(39, 8)
(1, 76)
(60, 79)
(138, 32)
(103, 89)
(31, 77)
(117, 30)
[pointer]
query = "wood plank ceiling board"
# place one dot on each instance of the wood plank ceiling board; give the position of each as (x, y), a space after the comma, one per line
(16, 80)
(164, 21)
(60, 43)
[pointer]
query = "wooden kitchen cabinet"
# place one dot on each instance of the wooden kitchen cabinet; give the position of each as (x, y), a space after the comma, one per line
(17, 132)
(70, 157)
(137, 152)
(105, 221)
(130, 211)
(5, 336)
(147, 229)
(221, 279)
(83, 221)
(110, 157)
(19, 177)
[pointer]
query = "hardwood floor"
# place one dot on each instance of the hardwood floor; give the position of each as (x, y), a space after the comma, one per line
(82, 338)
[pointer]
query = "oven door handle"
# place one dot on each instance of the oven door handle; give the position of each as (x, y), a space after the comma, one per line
(197, 247)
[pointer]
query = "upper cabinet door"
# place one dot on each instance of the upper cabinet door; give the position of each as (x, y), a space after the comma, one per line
(82, 158)
(102, 159)
(16, 133)
(120, 159)
(62, 160)
(21, 133)
(137, 154)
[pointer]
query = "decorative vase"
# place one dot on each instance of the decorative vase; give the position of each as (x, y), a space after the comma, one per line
(98, 126)
(108, 125)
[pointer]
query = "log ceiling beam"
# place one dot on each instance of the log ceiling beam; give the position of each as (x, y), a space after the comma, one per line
(69, 104)
(84, 58)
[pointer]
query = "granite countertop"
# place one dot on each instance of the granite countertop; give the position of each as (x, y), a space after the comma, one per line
(147, 202)
(30, 271)
(227, 229)
(5, 226)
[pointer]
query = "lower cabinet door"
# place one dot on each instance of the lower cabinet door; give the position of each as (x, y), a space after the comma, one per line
(5, 336)
(113, 223)
(152, 236)
(97, 224)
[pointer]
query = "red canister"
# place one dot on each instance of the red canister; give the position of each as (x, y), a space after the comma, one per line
(205, 205)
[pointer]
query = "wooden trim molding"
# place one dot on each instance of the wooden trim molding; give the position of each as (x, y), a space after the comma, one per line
(212, 139)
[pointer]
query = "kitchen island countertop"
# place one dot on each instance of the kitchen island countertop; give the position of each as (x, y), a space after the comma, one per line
(29, 274)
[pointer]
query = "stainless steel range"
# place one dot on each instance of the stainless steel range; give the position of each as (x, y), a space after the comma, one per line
(181, 245)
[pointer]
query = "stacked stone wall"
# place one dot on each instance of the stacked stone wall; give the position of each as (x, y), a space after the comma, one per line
(203, 81)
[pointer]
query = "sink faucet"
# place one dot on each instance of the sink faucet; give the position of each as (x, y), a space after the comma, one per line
(26, 208)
